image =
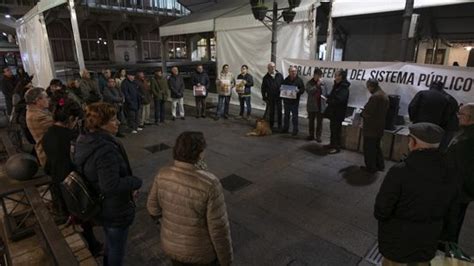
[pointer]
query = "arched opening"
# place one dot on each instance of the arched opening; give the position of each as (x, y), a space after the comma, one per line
(61, 42)
(94, 43)
(152, 45)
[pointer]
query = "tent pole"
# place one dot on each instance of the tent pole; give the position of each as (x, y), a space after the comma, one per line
(330, 36)
(406, 28)
(77, 36)
(274, 31)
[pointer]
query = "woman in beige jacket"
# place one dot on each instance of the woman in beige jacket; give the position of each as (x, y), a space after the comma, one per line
(189, 203)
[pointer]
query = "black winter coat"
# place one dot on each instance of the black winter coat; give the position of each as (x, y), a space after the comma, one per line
(201, 78)
(271, 86)
(298, 82)
(131, 94)
(57, 146)
(415, 196)
(337, 101)
(435, 107)
(176, 85)
(103, 161)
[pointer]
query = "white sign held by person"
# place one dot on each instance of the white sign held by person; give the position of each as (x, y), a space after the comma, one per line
(404, 79)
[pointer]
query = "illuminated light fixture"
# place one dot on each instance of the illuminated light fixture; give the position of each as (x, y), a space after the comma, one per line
(468, 48)
(100, 39)
(98, 42)
(8, 16)
(4, 34)
(105, 43)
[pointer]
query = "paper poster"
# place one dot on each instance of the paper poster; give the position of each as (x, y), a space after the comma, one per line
(240, 86)
(225, 88)
(199, 90)
(288, 91)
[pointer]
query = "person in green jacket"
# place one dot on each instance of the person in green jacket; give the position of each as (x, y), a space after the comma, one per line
(159, 89)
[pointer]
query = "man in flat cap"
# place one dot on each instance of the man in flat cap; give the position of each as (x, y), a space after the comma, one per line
(414, 199)
(374, 113)
(461, 162)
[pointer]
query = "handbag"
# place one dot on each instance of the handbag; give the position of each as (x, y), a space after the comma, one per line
(81, 199)
(454, 256)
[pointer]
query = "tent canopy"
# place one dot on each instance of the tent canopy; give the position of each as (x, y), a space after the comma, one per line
(202, 21)
(344, 8)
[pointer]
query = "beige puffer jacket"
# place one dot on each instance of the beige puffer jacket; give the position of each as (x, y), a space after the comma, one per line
(194, 223)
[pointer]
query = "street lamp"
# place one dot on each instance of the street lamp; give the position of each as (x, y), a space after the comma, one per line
(260, 10)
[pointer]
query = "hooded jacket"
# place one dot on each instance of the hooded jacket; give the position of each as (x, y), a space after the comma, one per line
(101, 159)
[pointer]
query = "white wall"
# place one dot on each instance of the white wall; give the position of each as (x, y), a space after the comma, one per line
(459, 54)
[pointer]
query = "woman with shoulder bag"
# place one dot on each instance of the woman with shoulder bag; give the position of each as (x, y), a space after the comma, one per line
(105, 165)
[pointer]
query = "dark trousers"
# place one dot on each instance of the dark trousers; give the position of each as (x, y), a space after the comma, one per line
(223, 106)
(159, 111)
(9, 103)
(319, 124)
(293, 110)
(115, 243)
(200, 105)
(247, 102)
(59, 206)
(373, 155)
(274, 109)
(335, 126)
(132, 117)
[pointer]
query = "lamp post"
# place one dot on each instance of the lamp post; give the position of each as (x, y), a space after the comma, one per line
(260, 11)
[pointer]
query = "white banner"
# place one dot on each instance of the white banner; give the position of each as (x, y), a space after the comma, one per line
(404, 79)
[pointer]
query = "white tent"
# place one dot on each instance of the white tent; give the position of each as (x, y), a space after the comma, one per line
(241, 39)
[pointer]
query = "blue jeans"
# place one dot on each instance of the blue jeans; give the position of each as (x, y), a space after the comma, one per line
(293, 109)
(223, 106)
(115, 243)
(159, 111)
(246, 101)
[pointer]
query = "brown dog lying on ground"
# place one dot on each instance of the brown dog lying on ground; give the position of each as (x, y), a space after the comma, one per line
(262, 128)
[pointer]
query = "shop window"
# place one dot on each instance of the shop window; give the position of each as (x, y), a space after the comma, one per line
(439, 58)
(177, 47)
(152, 45)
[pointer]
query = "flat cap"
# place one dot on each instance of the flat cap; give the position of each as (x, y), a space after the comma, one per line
(427, 132)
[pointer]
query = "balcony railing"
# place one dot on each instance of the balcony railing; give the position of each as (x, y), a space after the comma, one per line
(165, 7)
(18, 2)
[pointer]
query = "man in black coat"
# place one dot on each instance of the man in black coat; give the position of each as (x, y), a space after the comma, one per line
(271, 94)
(336, 110)
(461, 161)
(131, 94)
(176, 85)
(200, 78)
(8, 84)
(437, 107)
(414, 199)
(292, 105)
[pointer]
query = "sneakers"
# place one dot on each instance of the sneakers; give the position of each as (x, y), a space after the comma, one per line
(334, 151)
(318, 140)
(134, 132)
(309, 138)
(182, 118)
(174, 118)
(140, 128)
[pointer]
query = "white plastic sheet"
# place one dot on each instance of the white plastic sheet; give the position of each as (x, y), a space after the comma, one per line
(35, 50)
(243, 40)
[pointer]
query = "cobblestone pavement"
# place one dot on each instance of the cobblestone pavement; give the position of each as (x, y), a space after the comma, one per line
(302, 208)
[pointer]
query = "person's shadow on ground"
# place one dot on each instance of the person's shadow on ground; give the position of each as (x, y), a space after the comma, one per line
(315, 149)
(355, 176)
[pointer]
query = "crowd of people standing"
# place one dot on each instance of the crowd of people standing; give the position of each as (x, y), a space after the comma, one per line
(83, 118)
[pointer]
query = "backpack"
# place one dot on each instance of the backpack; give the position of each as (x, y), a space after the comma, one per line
(81, 199)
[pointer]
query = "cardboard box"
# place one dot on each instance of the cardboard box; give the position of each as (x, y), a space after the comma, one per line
(350, 137)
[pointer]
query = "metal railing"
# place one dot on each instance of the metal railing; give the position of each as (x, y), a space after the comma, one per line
(166, 7)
